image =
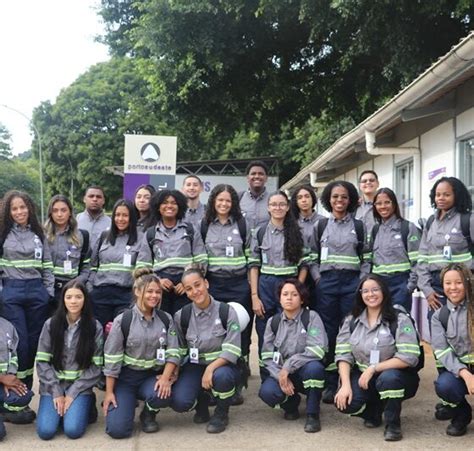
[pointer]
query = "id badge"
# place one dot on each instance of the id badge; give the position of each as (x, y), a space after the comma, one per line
(276, 357)
(324, 253)
(229, 251)
(374, 357)
(194, 355)
(160, 355)
(67, 267)
(38, 253)
(127, 259)
(264, 258)
(447, 253)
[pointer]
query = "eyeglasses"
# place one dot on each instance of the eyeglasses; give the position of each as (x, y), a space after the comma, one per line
(374, 290)
(372, 180)
(278, 205)
(386, 203)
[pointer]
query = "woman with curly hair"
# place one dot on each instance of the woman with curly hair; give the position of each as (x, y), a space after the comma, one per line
(28, 281)
(276, 253)
(342, 258)
(169, 245)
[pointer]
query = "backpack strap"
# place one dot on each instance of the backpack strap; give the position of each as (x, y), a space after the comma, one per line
(204, 229)
(305, 318)
(352, 325)
(240, 195)
(261, 233)
(165, 319)
(375, 230)
(125, 325)
(85, 247)
(429, 222)
(189, 231)
(185, 318)
(322, 224)
(276, 318)
(465, 228)
(224, 314)
(242, 226)
(150, 236)
(100, 241)
(444, 316)
(359, 228)
(405, 230)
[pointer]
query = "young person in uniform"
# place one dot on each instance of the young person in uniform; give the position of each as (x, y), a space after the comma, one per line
(70, 247)
(227, 240)
(343, 258)
(170, 245)
(143, 196)
(452, 334)
(69, 362)
(276, 253)
(377, 353)
(210, 340)
(28, 281)
(395, 242)
(141, 355)
(112, 264)
(368, 185)
(294, 346)
(192, 189)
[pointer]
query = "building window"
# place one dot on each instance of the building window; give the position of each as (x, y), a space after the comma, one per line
(466, 163)
(404, 189)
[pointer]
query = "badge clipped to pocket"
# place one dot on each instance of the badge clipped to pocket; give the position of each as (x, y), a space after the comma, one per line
(67, 266)
(38, 253)
(447, 253)
(160, 355)
(276, 357)
(324, 253)
(194, 355)
(127, 259)
(374, 357)
(229, 250)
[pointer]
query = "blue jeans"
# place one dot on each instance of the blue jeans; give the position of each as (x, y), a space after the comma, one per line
(75, 420)
(109, 301)
(397, 285)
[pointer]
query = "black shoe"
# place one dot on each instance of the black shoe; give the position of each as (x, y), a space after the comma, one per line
(217, 423)
(456, 429)
(93, 414)
(392, 433)
(443, 412)
(328, 395)
(291, 415)
(312, 424)
(238, 398)
(25, 416)
(202, 415)
(372, 423)
(148, 421)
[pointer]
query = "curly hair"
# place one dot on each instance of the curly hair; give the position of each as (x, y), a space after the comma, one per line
(388, 313)
(300, 288)
(351, 191)
(234, 212)
(72, 232)
(6, 220)
(462, 198)
(159, 197)
(132, 223)
(294, 201)
(394, 200)
(293, 247)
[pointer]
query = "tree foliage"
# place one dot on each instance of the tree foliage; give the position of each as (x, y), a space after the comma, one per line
(5, 143)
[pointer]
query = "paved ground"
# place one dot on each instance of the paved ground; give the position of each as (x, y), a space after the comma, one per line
(255, 426)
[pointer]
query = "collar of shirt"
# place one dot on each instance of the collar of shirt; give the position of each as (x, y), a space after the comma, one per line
(74, 324)
(453, 307)
(346, 218)
(160, 226)
(194, 210)
(94, 218)
(65, 231)
(141, 315)
(390, 222)
(204, 312)
(295, 319)
(449, 214)
(367, 203)
(21, 228)
(259, 196)
(363, 318)
(309, 218)
(274, 228)
(229, 221)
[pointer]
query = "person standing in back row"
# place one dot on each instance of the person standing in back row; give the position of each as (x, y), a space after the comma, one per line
(254, 201)
(192, 189)
(93, 219)
(368, 186)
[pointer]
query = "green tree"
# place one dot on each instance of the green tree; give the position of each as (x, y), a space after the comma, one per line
(5, 143)
(82, 132)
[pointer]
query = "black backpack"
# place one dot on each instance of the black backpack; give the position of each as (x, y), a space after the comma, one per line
(465, 229)
(150, 235)
(393, 326)
(277, 318)
(127, 321)
(405, 230)
(85, 247)
(359, 229)
(241, 224)
(444, 316)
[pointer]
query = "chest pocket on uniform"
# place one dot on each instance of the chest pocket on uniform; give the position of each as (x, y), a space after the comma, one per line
(218, 330)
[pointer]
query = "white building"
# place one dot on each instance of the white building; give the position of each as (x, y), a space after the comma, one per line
(425, 132)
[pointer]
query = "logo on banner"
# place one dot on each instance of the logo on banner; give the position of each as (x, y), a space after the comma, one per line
(150, 152)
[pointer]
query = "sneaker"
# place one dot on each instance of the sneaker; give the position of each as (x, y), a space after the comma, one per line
(312, 424)
(328, 395)
(392, 433)
(217, 424)
(148, 421)
(25, 416)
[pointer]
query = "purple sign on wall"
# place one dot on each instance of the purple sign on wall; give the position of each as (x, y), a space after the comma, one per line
(131, 182)
(436, 172)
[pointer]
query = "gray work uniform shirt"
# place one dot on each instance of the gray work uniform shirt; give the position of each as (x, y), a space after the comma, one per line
(140, 352)
(195, 215)
(389, 255)
(25, 257)
(172, 249)
(296, 345)
(95, 226)
(114, 265)
(63, 250)
(225, 249)
(255, 208)
(442, 233)
(8, 347)
(452, 347)
(355, 348)
(71, 380)
(207, 334)
(365, 212)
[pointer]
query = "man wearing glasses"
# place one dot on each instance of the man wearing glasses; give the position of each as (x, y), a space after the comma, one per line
(368, 186)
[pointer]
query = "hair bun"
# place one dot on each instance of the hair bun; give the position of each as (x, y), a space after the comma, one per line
(140, 272)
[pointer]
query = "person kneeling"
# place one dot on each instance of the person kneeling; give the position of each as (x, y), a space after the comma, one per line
(294, 345)
(382, 341)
